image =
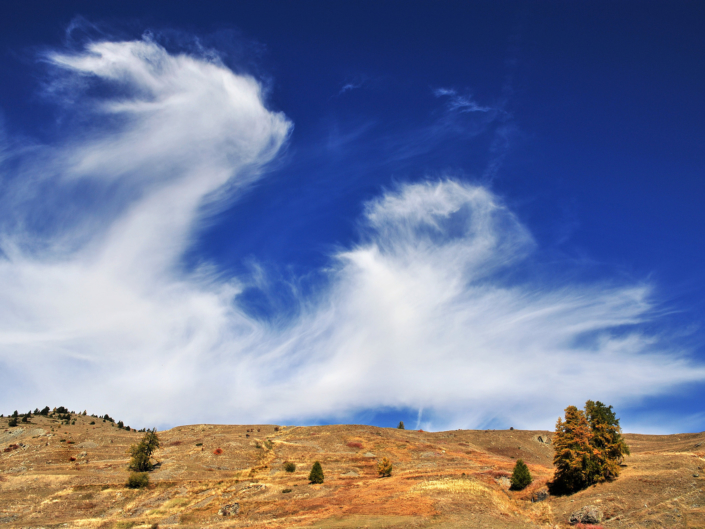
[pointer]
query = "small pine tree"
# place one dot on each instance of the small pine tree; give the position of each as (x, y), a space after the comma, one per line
(384, 468)
(401, 425)
(12, 422)
(316, 475)
(521, 477)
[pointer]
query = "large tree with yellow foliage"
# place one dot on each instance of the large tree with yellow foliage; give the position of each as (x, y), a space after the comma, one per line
(588, 446)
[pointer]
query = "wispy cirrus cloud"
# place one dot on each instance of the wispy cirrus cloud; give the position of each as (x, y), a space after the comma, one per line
(96, 309)
(460, 103)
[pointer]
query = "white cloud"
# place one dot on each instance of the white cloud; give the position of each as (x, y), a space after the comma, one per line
(460, 103)
(417, 315)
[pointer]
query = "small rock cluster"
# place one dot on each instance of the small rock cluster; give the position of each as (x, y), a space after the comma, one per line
(231, 509)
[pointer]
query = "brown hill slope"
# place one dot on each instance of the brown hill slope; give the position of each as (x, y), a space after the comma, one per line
(443, 479)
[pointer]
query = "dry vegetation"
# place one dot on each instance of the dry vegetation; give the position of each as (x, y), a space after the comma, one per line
(444, 479)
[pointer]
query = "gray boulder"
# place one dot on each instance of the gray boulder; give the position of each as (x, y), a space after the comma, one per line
(230, 509)
(539, 495)
(588, 514)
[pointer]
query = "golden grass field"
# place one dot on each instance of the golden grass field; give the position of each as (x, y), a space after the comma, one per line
(440, 480)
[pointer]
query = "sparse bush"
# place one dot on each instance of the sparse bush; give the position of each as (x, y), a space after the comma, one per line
(384, 468)
(289, 466)
(268, 444)
(521, 477)
(316, 474)
(137, 480)
(92, 422)
(286, 491)
(401, 425)
(143, 451)
(218, 451)
(199, 444)
(355, 445)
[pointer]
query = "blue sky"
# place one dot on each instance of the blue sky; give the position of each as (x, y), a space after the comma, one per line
(459, 215)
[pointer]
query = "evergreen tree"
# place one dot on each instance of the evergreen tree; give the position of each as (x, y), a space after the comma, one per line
(316, 475)
(521, 477)
(607, 441)
(12, 422)
(401, 425)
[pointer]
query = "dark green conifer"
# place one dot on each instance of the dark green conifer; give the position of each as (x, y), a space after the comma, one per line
(401, 425)
(521, 477)
(316, 475)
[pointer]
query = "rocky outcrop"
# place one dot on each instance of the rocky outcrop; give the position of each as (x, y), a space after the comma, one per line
(588, 514)
(539, 495)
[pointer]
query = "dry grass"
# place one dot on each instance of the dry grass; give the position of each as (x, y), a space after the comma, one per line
(41, 487)
(454, 486)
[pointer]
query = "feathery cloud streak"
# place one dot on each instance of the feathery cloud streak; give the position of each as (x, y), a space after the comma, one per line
(96, 306)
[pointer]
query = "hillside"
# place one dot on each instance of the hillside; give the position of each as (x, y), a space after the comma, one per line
(443, 479)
